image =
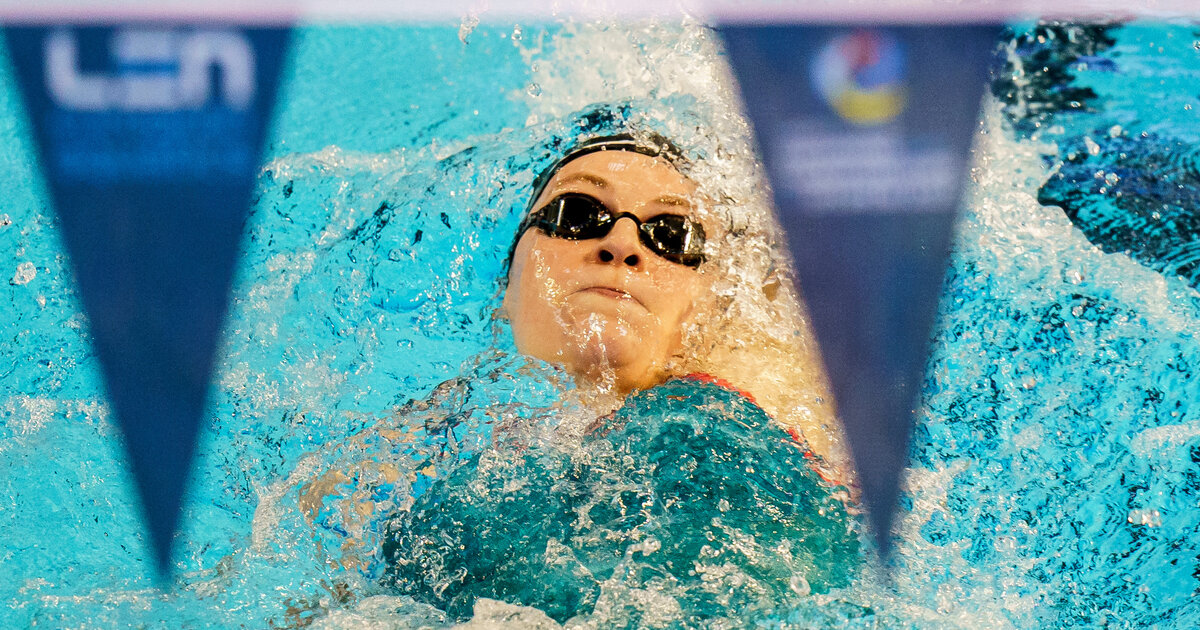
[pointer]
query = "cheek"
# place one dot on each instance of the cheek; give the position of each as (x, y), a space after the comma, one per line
(678, 295)
(535, 288)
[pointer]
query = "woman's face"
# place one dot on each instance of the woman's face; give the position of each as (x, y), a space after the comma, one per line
(608, 309)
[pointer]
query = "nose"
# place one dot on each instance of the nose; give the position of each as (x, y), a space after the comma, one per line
(621, 244)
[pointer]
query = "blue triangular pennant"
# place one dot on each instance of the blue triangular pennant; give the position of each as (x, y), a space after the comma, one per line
(149, 137)
(866, 133)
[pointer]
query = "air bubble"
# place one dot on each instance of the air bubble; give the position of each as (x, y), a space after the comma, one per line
(799, 585)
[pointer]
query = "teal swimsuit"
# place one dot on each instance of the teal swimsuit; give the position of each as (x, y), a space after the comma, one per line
(689, 489)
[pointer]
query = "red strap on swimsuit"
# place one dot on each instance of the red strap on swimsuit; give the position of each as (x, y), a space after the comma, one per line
(709, 378)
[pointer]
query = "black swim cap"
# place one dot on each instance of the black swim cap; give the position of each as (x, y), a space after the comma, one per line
(653, 145)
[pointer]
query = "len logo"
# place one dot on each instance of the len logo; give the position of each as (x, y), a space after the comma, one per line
(154, 70)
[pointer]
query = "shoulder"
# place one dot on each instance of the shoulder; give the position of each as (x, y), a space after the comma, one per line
(696, 404)
(700, 398)
(697, 395)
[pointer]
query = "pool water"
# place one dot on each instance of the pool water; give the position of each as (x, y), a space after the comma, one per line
(1055, 469)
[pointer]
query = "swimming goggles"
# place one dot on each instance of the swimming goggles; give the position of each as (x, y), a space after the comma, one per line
(580, 217)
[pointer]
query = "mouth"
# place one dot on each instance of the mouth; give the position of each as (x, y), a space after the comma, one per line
(611, 293)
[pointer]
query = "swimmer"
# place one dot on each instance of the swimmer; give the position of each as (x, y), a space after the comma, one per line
(607, 277)
(610, 278)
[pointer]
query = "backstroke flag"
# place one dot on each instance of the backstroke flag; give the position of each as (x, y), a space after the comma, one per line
(866, 133)
(149, 137)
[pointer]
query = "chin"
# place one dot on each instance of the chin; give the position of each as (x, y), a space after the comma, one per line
(606, 350)
(607, 345)
(623, 358)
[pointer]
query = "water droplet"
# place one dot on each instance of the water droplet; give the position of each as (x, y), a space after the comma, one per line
(1115, 131)
(1111, 179)
(467, 27)
(1148, 518)
(1092, 147)
(517, 33)
(534, 89)
(25, 272)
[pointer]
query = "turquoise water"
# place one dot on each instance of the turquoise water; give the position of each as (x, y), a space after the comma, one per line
(1054, 480)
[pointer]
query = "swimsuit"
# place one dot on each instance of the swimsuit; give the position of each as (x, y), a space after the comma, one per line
(688, 490)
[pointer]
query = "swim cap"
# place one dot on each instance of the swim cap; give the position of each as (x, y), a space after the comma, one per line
(653, 145)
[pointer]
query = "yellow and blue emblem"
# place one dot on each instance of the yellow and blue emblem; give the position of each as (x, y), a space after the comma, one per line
(861, 76)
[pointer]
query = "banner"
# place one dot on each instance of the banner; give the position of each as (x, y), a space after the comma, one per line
(149, 137)
(866, 133)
